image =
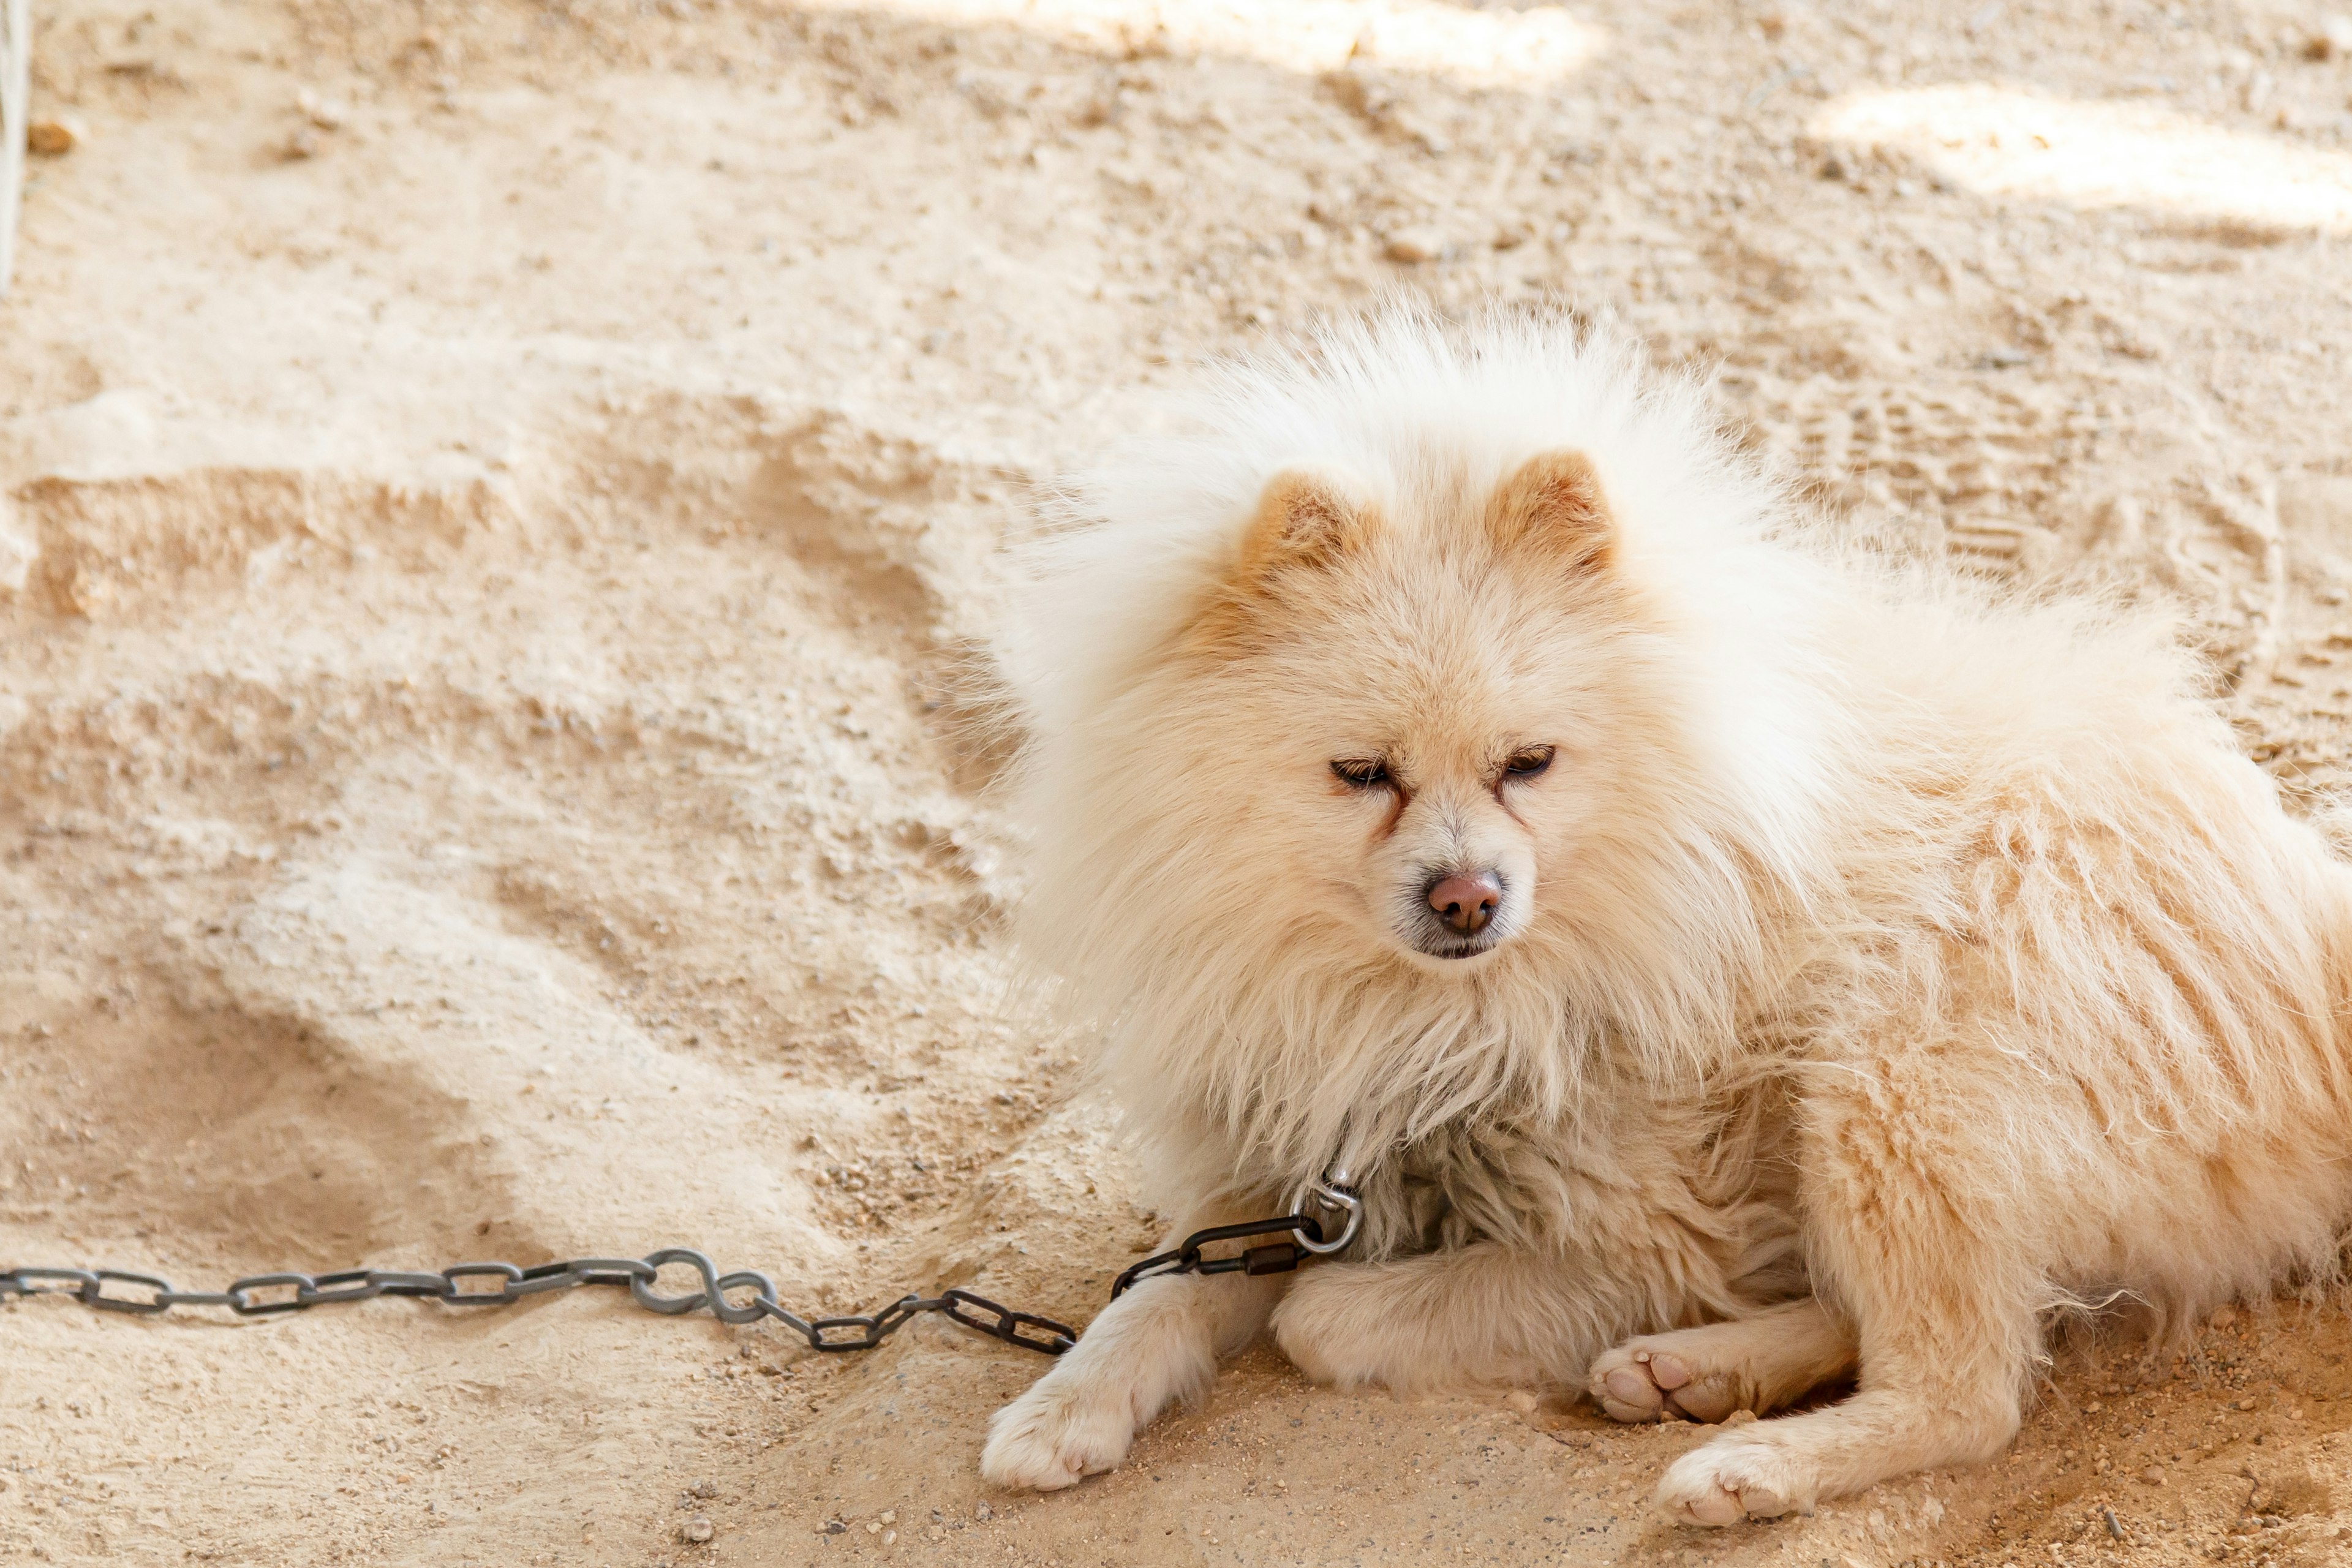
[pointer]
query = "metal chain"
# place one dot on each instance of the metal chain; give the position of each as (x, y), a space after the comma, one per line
(500, 1284)
(743, 1297)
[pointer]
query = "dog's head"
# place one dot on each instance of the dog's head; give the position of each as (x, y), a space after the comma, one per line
(1441, 709)
(1422, 712)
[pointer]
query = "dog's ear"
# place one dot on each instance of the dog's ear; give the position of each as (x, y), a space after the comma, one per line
(1304, 519)
(1554, 504)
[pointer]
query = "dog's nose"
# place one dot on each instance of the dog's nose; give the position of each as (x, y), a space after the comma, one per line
(1466, 900)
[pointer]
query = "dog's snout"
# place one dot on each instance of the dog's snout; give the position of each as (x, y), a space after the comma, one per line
(1466, 900)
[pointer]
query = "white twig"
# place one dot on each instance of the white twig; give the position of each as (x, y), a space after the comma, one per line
(16, 93)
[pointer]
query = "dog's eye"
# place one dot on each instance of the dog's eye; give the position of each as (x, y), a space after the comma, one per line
(1360, 773)
(1527, 763)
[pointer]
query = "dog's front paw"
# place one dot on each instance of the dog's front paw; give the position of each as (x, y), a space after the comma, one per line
(1053, 1436)
(1654, 1380)
(1748, 1474)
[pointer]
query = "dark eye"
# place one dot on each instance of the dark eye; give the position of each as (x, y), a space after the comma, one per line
(1360, 773)
(1527, 763)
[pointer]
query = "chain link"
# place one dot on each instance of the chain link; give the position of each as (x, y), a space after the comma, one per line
(1333, 1195)
(745, 1296)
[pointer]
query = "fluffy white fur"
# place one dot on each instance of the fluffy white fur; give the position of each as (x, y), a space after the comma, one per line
(1882, 962)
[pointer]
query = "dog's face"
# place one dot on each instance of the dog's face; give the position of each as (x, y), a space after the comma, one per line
(1427, 720)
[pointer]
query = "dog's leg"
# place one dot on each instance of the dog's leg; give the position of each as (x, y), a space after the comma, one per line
(1917, 1233)
(1485, 1314)
(1758, 1363)
(1155, 1345)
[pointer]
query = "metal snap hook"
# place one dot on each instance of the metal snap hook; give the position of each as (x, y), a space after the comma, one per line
(1333, 1192)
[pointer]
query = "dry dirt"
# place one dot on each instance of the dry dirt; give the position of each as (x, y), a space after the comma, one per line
(495, 493)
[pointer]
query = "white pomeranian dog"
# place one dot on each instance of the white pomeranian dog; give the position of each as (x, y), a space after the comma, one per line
(1725, 963)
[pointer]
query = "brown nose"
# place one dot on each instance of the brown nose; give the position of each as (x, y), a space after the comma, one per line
(1466, 901)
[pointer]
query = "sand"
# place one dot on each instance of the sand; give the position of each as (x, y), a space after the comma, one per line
(495, 496)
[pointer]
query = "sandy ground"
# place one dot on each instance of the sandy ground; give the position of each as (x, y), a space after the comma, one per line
(496, 494)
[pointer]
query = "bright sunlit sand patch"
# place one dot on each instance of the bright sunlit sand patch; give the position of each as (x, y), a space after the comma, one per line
(2008, 143)
(1501, 47)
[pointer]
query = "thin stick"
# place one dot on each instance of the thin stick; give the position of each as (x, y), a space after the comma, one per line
(15, 94)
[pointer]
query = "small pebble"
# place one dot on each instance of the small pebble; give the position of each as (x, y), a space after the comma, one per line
(2153, 1476)
(983, 1512)
(889, 1516)
(2330, 40)
(1521, 1400)
(326, 113)
(696, 1530)
(1413, 245)
(55, 138)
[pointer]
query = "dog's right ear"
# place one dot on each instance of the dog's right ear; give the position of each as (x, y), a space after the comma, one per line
(1305, 518)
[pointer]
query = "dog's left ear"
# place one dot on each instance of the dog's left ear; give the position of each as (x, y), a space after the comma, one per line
(1554, 504)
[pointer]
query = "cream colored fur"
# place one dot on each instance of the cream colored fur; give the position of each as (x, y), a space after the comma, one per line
(1884, 962)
